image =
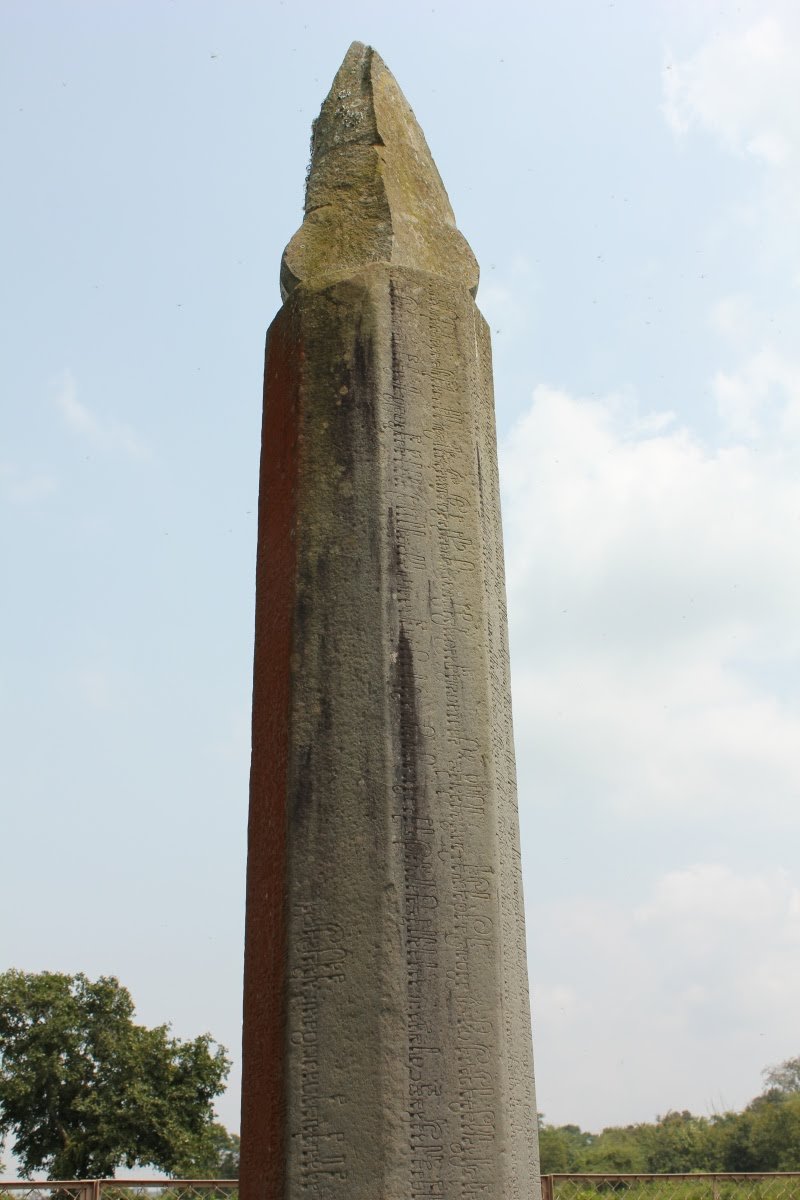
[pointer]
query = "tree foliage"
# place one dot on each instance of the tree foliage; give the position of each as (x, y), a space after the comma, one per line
(84, 1089)
(784, 1078)
(765, 1136)
(220, 1159)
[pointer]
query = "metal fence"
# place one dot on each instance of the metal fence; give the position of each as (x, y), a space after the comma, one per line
(120, 1189)
(754, 1186)
(776, 1186)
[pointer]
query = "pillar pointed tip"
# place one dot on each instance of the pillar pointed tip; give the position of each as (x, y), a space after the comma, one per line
(373, 192)
(358, 49)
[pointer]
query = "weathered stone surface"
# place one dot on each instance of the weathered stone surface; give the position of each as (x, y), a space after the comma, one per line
(387, 1028)
(373, 192)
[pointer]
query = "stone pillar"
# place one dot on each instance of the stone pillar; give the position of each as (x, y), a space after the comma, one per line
(387, 1049)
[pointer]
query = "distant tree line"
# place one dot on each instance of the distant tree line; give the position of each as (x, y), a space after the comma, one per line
(765, 1136)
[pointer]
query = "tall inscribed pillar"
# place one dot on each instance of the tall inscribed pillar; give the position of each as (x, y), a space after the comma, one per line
(387, 1046)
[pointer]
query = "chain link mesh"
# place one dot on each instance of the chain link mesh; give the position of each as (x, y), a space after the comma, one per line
(673, 1187)
(784, 1186)
(43, 1191)
(120, 1189)
(215, 1189)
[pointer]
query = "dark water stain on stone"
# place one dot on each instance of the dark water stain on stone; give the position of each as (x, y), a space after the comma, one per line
(312, 645)
(410, 733)
(395, 559)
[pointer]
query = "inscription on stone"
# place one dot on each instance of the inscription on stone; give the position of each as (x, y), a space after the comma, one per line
(401, 1004)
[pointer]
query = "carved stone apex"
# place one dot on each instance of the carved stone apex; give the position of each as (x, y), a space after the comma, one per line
(373, 192)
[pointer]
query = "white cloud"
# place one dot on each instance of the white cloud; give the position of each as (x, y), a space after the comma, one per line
(716, 920)
(696, 902)
(742, 88)
(103, 435)
(654, 582)
(653, 590)
(762, 398)
(695, 989)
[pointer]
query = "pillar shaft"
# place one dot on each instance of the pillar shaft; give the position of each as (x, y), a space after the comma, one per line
(387, 1051)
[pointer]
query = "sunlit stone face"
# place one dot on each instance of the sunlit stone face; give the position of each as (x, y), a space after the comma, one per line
(374, 193)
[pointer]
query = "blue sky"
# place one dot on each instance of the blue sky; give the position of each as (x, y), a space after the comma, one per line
(628, 175)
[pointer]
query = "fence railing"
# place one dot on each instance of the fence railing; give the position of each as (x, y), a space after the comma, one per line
(721, 1186)
(783, 1185)
(119, 1189)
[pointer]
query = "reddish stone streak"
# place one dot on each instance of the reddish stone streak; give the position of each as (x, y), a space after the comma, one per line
(263, 1086)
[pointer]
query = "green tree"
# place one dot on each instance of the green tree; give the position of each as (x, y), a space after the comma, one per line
(679, 1142)
(84, 1089)
(775, 1132)
(618, 1149)
(784, 1078)
(562, 1148)
(220, 1159)
(553, 1152)
(765, 1137)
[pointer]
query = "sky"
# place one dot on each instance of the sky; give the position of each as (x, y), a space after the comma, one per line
(628, 176)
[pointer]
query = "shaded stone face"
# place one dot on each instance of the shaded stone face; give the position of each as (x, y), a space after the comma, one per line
(387, 1027)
